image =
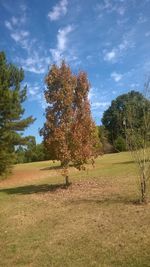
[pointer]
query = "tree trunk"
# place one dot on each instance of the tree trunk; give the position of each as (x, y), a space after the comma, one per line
(67, 180)
(143, 190)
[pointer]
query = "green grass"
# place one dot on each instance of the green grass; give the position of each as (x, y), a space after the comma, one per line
(93, 223)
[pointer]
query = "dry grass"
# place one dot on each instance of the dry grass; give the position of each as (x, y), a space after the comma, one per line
(94, 222)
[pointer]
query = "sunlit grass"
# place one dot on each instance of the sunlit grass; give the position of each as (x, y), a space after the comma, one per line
(94, 222)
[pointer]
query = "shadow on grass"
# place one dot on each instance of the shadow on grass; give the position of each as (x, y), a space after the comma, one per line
(124, 162)
(104, 200)
(128, 162)
(32, 189)
(57, 167)
(51, 168)
(109, 200)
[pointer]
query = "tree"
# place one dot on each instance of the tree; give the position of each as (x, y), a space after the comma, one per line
(114, 115)
(69, 130)
(31, 152)
(11, 123)
(138, 137)
(103, 138)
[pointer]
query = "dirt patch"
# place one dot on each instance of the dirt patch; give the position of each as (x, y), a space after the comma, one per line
(26, 176)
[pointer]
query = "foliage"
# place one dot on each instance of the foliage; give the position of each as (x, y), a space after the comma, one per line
(103, 138)
(113, 117)
(31, 152)
(69, 130)
(138, 137)
(120, 144)
(11, 123)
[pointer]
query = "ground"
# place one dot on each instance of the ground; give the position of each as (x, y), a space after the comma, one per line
(95, 222)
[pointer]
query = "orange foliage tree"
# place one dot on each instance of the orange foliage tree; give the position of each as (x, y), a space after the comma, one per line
(69, 131)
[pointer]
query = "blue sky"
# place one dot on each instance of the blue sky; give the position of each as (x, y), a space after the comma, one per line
(109, 39)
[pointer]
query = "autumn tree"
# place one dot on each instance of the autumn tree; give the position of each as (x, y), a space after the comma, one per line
(69, 130)
(11, 122)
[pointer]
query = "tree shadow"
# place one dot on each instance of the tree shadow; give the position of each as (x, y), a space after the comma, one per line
(129, 162)
(109, 200)
(32, 189)
(51, 168)
(58, 167)
(124, 162)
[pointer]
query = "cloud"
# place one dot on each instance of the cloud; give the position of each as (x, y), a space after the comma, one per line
(110, 56)
(35, 61)
(33, 90)
(62, 41)
(110, 6)
(14, 20)
(58, 10)
(142, 19)
(8, 25)
(19, 36)
(98, 105)
(15, 25)
(115, 53)
(91, 94)
(116, 76)
(62, 37)
(35, 93)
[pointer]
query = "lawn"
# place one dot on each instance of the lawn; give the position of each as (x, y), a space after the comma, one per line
(95, 222)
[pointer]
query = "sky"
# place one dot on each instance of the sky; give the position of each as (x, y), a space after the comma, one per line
(109, 39)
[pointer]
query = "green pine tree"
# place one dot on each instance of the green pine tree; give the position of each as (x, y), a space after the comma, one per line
(11, 123)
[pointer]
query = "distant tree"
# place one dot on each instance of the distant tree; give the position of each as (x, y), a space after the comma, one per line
(19, 154)
(11, 123)
(103, 138)
(69, 130)
(138, 137)
(40, 152)
(31, 152)
(114, 115)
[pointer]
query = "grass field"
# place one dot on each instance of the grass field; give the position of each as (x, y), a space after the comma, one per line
(95, 222)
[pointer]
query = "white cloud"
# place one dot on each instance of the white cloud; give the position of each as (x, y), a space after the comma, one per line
(15, 25)
(91, 94)
(142, 19)
(115, 53)
(97, 105)
(58, 10)
(111, 6)
(14, 20)
(62, 41)
(8, 25)
(116, 76)
(110, 56)
(35, 93)
(62, 37)
(19, 36)
(33, 89)
(35, 63)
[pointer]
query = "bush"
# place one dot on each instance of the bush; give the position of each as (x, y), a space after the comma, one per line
(120, 144)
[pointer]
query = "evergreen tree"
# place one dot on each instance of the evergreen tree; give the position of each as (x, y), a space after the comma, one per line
(69, 131)
(11, 123)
